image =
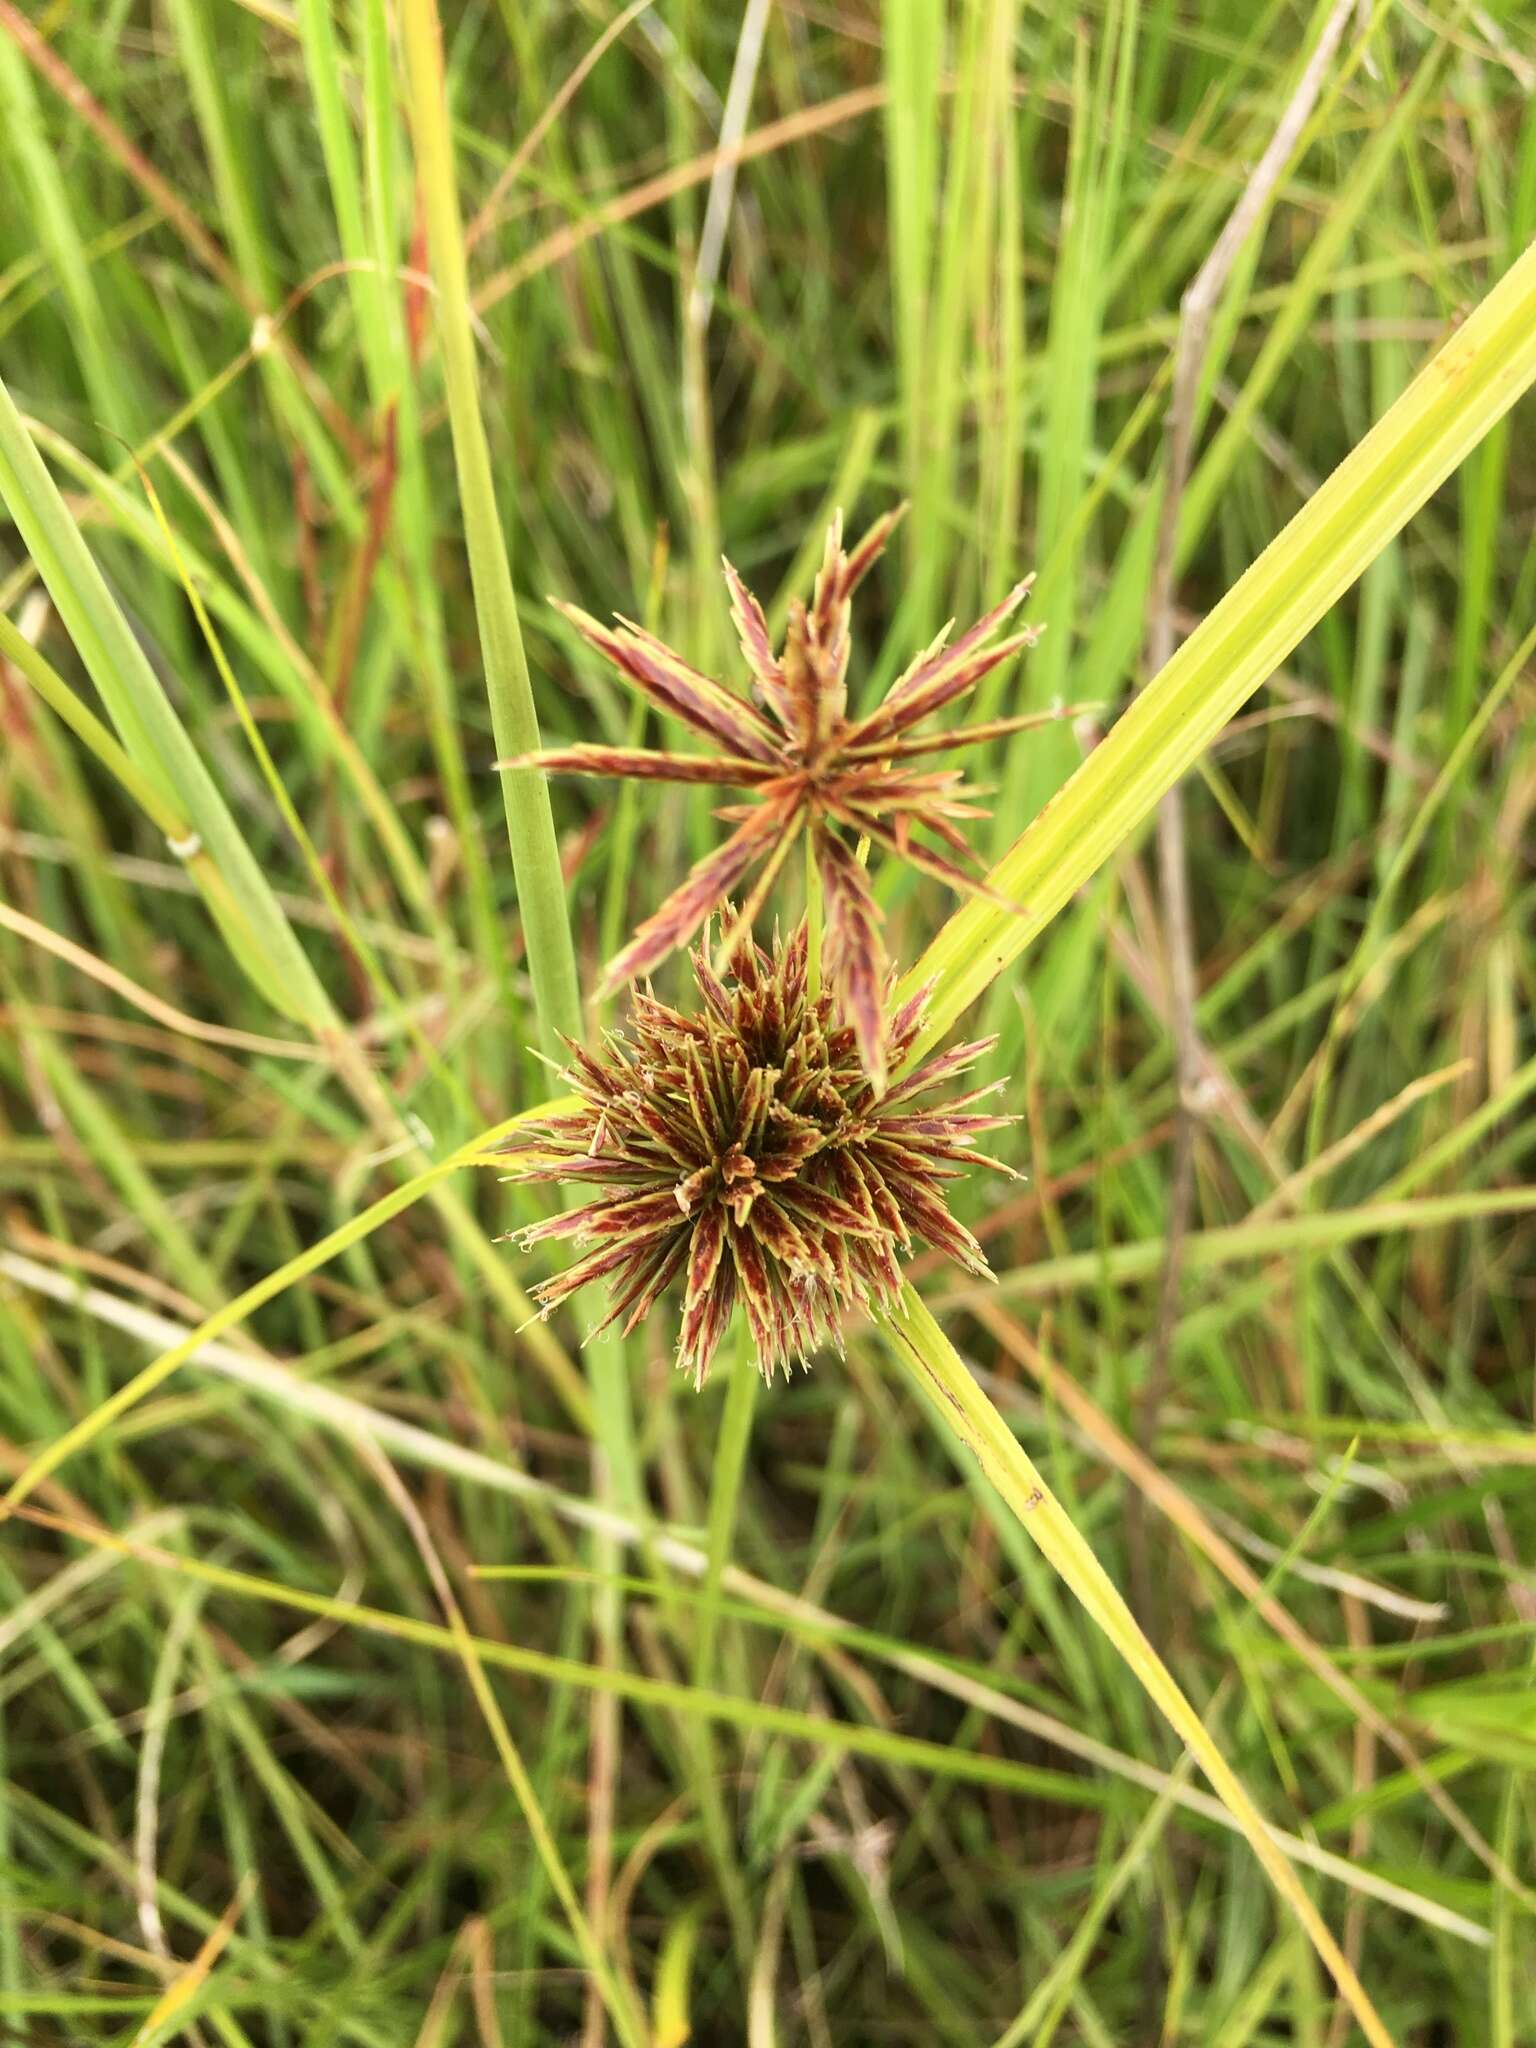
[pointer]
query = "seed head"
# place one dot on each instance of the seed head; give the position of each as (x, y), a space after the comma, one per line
(745, 1152)
(806, 765)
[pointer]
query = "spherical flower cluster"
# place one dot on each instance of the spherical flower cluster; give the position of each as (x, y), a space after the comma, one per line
(744, 1152)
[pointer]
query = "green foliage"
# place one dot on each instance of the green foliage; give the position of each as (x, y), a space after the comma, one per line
(769, 1708)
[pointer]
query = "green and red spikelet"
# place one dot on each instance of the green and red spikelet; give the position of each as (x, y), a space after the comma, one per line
(745, 1152)
(807, 766)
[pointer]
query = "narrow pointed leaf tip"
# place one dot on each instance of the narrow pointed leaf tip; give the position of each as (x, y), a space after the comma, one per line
(745, 1152)
(803, 763)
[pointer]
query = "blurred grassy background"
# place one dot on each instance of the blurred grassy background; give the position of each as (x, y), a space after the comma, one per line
(949, 268)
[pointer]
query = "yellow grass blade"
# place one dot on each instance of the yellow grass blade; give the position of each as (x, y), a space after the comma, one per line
(160, 1369)
(179, 1993)
(1456, 398)
(936, 1368)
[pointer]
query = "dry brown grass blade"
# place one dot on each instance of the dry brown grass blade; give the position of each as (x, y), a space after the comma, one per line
(180, 1992)
(921, 1350)
(1381, 1119)
(617, 1997)
(164, 1013)
(356, 1422)
(773, 135)
(486, 217)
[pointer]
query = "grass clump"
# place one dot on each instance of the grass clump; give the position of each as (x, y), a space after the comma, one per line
(377, 1666)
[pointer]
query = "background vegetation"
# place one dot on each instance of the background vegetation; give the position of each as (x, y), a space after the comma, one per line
(256, 1793)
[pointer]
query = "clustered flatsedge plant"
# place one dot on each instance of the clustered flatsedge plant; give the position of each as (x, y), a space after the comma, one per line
(112, 761)
(746, 1152)
(754, 1151)
(808, 766)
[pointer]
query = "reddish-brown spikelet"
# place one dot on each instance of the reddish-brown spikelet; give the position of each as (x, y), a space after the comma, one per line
(745, 1152)
(806, 765)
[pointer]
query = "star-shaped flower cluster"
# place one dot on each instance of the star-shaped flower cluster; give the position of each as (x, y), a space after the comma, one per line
(807, 766)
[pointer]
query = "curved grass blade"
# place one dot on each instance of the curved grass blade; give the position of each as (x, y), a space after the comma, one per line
(234, 1312)
(357, 1422)
(152, 734)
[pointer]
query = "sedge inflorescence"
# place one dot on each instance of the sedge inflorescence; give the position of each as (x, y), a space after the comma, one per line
(744, 1152)
(807, 764)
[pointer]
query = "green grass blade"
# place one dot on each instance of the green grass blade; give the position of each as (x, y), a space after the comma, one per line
(88, 729)
(234, 1312)
(530, 820)
(150, 729)
(365, 285)
(354, 1421)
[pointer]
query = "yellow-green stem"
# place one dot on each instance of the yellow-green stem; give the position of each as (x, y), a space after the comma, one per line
(934, 1366)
